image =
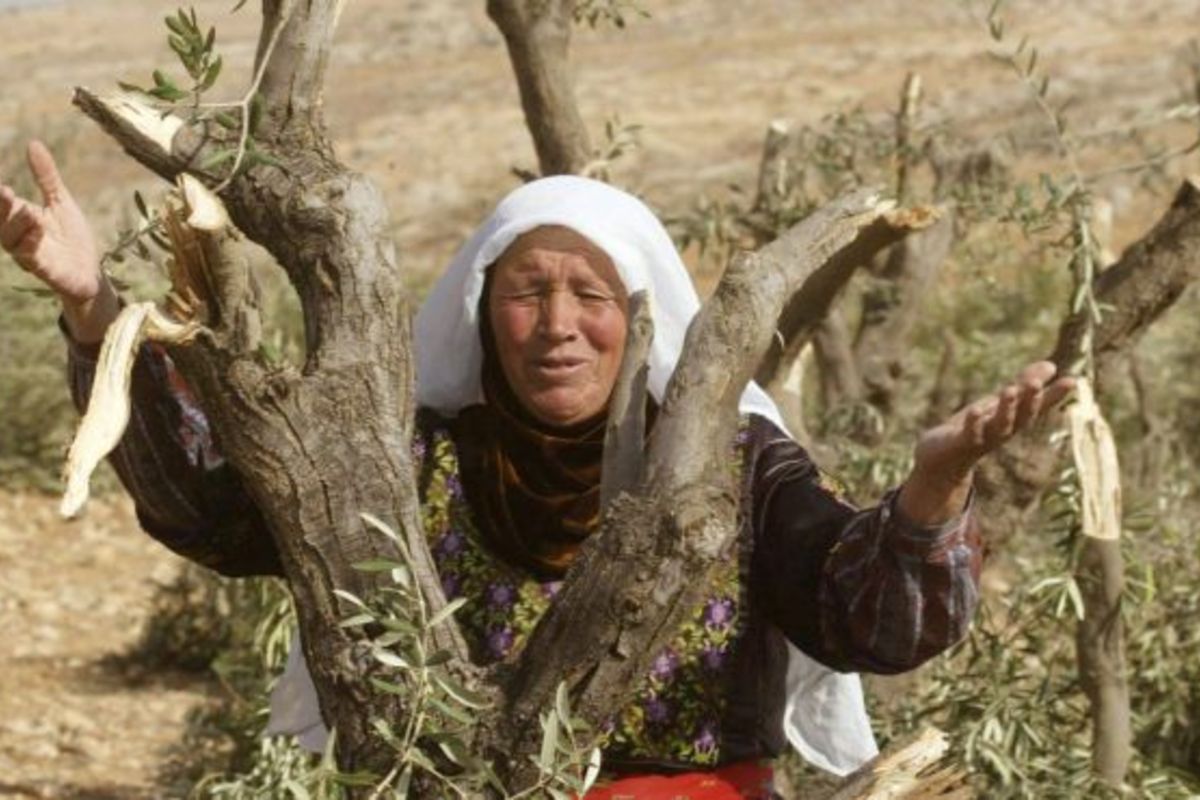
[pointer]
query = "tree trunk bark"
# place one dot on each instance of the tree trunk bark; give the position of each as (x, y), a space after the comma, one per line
(1100, 645)
(538, 36)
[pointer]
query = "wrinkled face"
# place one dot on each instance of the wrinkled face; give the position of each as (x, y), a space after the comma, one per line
(558, 314)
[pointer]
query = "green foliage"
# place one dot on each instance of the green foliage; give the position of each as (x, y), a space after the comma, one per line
(1009, 694)
(38, 419)
(595, 13)
(196, 50)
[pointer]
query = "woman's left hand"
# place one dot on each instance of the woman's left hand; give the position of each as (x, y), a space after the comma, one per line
(945, 455)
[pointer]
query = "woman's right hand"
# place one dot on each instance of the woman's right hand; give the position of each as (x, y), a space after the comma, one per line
(54, 242)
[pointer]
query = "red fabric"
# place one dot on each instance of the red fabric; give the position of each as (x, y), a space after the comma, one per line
(748, 780)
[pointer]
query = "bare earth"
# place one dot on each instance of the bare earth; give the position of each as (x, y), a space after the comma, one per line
(420, 97)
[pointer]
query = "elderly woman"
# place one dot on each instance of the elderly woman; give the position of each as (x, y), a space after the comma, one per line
(518, 348)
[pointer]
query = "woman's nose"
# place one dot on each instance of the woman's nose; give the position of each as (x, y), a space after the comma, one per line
(560, 315)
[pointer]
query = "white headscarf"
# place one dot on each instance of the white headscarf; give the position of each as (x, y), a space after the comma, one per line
(825, 718)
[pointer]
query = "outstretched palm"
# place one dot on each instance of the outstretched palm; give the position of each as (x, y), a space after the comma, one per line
(51, 240)
(946, 454)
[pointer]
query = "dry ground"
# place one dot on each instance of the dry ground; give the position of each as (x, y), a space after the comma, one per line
(420, 97)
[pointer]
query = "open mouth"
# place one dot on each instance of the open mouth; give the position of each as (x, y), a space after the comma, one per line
(558, 366)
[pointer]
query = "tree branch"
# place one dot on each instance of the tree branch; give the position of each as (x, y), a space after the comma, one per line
(538, 36)
(907, 770)
(804, 312)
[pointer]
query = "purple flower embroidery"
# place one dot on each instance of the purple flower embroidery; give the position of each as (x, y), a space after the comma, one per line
(551, 588)
(657, 711)
(712, 658)
(451, 544)
(664, 665)
(718, 613)
(501, 596)
(706, 742)
(500, 642)
(418, 449)
(454, 486)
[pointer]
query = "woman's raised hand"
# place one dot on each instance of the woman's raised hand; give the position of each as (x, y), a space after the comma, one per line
(946, 454)
(53, 241)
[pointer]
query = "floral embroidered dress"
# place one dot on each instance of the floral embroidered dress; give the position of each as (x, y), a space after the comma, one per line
(675, 717)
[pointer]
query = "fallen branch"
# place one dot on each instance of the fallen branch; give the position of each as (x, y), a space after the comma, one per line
(907, 771)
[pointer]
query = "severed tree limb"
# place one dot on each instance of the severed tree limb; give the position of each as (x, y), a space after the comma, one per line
(1100, 655)
(1149, 277)
(1099, 572)
(908, 770)
(538, 36)
(906, 121)
(804, 312)
(625, 434)
(773, 168)
(643, 573)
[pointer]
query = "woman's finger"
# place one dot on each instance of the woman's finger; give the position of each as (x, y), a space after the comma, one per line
(1039, 372)
(1029, 404)
(45, 172)
(18, 226)
(999, 427)
(1056, 392)
(973, 425)
(9, 203)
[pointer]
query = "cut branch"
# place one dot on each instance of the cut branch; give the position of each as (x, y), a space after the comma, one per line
(804, 312)
(625, 434)
(773, 168)
(909, 770)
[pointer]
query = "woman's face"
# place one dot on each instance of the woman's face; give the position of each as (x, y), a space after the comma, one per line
(557, 309)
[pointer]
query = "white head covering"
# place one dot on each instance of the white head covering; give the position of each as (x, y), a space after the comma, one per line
(825, 718)
(449, 353)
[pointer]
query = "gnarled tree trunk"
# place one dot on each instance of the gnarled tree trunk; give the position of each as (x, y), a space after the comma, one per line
(317, 446)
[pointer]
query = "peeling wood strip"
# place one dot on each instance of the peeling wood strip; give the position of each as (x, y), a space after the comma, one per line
(624, 438)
